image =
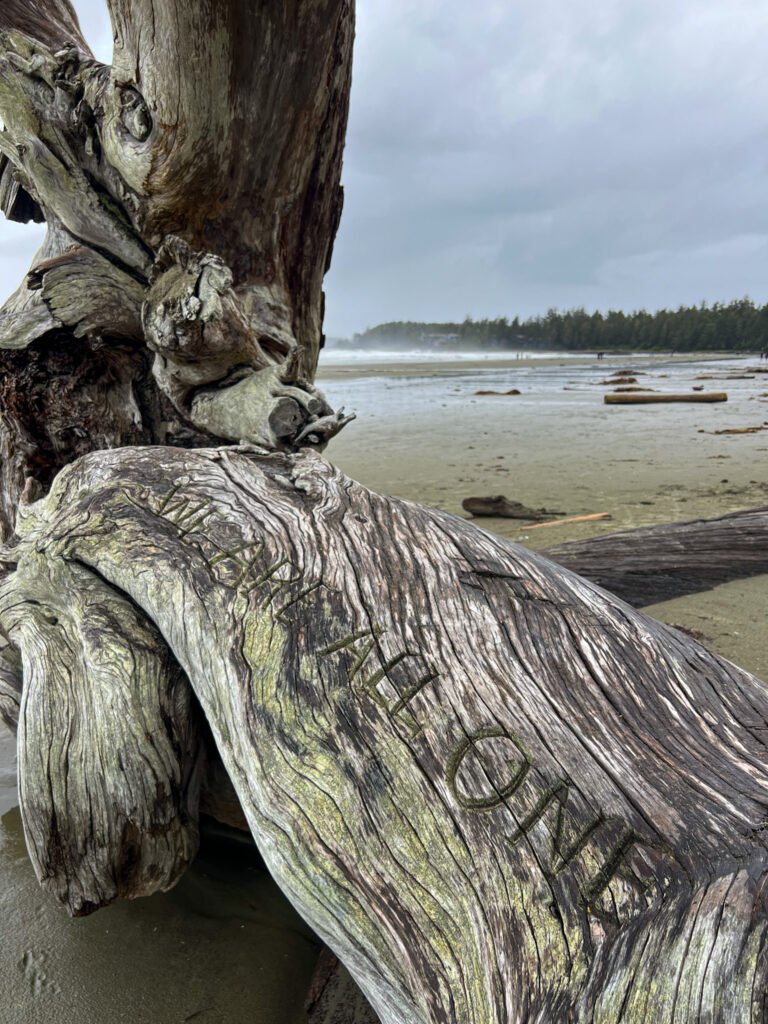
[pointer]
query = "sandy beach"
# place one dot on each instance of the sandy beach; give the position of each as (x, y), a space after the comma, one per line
(422, 434)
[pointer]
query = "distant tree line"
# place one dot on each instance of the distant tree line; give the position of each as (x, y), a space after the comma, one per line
(738, 326)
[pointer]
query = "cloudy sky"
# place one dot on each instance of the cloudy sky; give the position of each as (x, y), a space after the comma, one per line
(505, 156)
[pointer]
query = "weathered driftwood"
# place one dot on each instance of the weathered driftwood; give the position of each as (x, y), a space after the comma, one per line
(498, 505)
(498, 793)
(615, 398)
(590, 518)
(656, 563)
(191, 196)
(191, 193)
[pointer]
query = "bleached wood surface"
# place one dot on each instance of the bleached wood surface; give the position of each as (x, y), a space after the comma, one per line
(496, 792)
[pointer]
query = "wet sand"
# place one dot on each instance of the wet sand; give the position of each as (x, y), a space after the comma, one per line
(424, 435)
(224, 946)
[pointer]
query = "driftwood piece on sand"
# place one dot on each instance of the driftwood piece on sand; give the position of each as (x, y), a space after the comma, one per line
(591, 518)
(490, 391)
(647, 399)
(758, 428)
(501, 507)
(497, 793)
(657, 563)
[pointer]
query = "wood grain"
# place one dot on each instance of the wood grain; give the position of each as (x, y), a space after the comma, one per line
(495, 791)
(656, 563)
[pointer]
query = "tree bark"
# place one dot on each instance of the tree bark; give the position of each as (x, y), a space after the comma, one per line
(192, 195)
(657, 563)
(498, 793)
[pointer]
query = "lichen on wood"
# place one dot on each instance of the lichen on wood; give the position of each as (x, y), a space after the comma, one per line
(496, 792)
(191, 194)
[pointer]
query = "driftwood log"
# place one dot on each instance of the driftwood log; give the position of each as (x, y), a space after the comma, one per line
(504, 508)
(496, 792)
(500, 795)
(657, 563)
(191, 194)
(646, 398)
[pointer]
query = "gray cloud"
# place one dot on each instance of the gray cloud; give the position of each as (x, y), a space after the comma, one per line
(503, 158)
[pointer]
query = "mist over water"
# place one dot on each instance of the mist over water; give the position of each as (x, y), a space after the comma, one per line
(339, 356)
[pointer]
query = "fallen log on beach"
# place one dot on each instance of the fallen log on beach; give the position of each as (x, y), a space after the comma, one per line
(647, 399)
(501, 507)
(592, 517)
(656, 563)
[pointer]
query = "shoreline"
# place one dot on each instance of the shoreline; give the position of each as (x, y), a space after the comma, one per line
(424, 435)
(445, 366)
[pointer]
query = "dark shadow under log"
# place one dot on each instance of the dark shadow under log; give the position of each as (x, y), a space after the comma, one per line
(499, 794)
(657, 563)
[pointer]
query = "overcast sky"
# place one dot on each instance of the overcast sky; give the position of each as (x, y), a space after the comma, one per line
(504, 157)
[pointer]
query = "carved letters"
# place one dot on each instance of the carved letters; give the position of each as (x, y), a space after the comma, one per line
(518, 764)
(485, 771)
(367, 686)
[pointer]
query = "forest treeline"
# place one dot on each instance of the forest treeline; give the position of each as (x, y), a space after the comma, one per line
(739, 326)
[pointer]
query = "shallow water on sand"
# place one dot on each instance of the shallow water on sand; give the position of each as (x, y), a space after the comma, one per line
(423, 434)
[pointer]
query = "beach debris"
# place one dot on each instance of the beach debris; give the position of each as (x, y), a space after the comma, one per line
(698, 387)
(727, 376)
(704, 396)
(498, 505)
(628, 373)
(487, 391)
(738, 430)
(657, 563)
(631, 387)
(592, 518)
(613, 381)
